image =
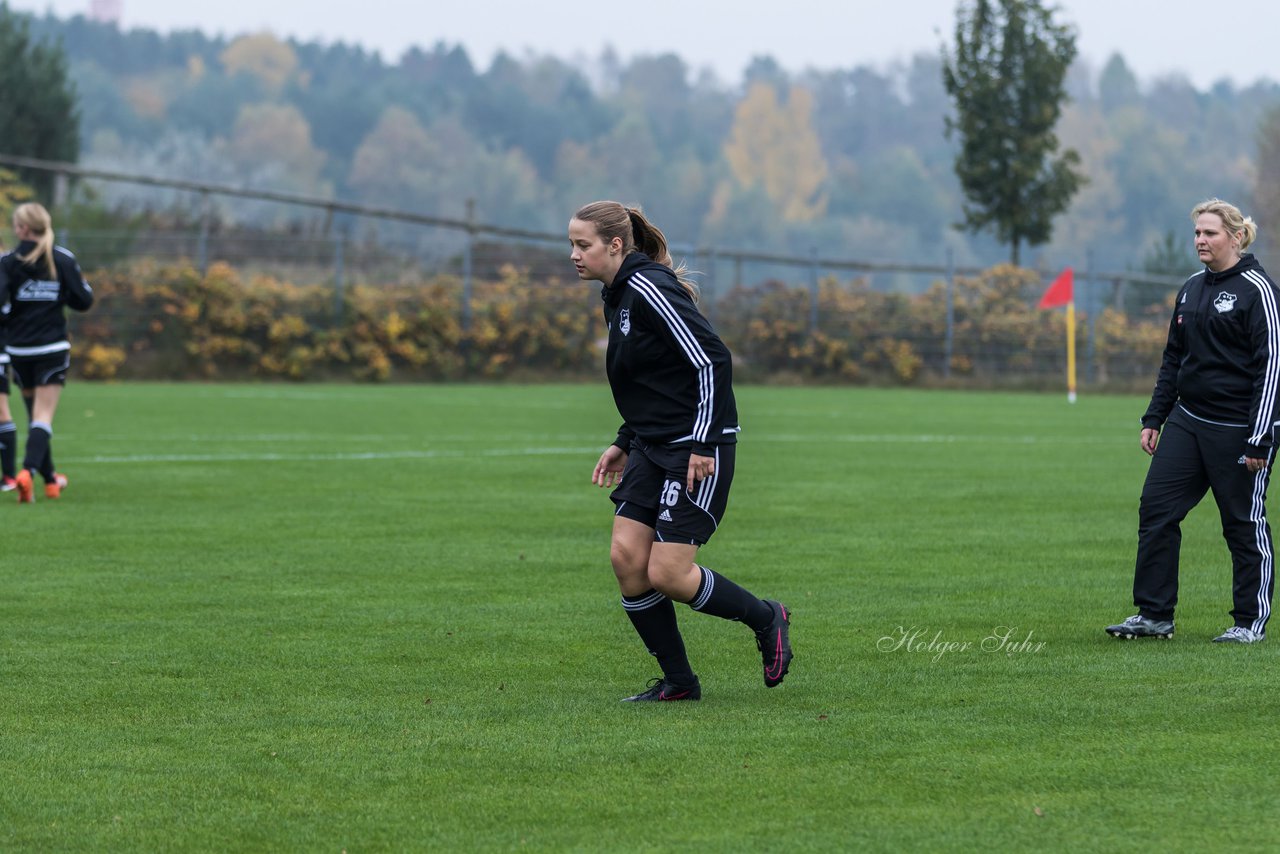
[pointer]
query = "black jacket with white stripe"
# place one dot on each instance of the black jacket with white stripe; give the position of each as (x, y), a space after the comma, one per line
(671, 375)
(1222, 359)
(37, 324)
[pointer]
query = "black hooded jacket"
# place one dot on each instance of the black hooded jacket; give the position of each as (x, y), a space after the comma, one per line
(1222, 360)
(37, 324)
(670, 374)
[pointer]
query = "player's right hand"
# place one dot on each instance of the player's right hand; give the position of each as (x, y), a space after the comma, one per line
(608, 471)
(1150, 437)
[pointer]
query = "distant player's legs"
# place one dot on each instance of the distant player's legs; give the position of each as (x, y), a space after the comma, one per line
(39, 456)
(8, 433)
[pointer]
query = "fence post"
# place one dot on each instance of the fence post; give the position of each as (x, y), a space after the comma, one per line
(813, 290)
(949, 346)
(709, 290)
(467, 266)
(61, 186)
(1091, 304)
(202, 247)
(339, 270)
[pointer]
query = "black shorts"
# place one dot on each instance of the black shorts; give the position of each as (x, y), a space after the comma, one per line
(4, 373)
(34, 371)
(653, 492)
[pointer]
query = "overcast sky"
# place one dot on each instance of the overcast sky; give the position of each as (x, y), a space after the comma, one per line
(1205, 42)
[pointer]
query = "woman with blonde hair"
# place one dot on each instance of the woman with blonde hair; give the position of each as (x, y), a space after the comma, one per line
(672, 461)
(40, 280)
(1211, 426)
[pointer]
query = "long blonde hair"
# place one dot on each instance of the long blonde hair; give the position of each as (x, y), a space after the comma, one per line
(1234, 221)
(613, 219)
(36, 219)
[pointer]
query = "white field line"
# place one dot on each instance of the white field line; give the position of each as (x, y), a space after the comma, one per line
(545, 451)
(359, 456)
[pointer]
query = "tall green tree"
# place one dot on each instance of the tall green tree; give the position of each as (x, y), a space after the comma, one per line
(1266, 190)
(1006, 79)
(39, 116)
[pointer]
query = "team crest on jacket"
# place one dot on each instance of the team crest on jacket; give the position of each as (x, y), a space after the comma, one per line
(624, 320)
(1225, 302)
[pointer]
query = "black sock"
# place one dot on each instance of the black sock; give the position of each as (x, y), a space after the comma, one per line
(37, 445)
(46, 465)
(720, 597)
(8, 449)
(654, 619)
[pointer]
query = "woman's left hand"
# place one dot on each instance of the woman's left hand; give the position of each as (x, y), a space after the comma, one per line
(700, 468)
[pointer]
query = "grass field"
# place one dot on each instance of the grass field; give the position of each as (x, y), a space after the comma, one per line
(326, 618)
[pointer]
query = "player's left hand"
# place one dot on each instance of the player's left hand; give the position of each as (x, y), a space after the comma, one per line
(700, 468)
(1254, 464)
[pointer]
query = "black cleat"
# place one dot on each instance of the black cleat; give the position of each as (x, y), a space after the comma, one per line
(1139, 626)
(774, 644)
(661, 690)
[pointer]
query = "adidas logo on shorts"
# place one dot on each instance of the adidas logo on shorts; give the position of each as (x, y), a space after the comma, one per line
(664, 516)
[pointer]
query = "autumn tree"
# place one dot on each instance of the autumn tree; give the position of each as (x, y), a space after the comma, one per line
(264, 56)
(12, 193)
(271, 146)
(438, 168)
(1006, 79)
(39, 116)
(773, 146)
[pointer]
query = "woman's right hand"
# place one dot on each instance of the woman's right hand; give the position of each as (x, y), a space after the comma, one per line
(1150, 437)
(608, 472)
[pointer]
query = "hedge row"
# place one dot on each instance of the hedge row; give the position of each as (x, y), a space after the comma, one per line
(156, 322)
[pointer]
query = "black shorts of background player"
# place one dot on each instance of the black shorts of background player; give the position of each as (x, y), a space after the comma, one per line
(672, 462)
(39, 280)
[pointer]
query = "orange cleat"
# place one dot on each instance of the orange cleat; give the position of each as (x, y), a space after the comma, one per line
(54, 490)
(8, 484)
(26, 492)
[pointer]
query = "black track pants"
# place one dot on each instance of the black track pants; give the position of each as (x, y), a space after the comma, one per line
(1192, 458)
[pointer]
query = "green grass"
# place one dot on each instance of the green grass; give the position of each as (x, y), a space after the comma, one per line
(358, 618)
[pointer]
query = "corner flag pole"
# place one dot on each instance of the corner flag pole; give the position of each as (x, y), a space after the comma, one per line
(1062, 292)
(1071, 352)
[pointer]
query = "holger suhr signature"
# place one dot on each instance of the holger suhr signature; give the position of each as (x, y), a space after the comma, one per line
(1009, 640)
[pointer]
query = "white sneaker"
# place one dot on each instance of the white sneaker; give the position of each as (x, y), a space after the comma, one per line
(1239, 634)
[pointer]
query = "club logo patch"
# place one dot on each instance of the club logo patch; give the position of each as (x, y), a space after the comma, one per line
(1225, 302)
(624, 320)
(36, 290)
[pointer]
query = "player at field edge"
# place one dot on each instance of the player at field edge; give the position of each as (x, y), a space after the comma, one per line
(8, 430)
(40, 279)
(1211, 425)
(671, 465)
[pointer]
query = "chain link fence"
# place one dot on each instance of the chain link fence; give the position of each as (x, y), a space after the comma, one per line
(919, 315)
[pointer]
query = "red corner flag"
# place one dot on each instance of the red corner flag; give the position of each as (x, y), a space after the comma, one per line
(1060, 292)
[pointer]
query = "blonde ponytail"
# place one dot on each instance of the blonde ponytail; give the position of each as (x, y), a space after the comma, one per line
(37, 220)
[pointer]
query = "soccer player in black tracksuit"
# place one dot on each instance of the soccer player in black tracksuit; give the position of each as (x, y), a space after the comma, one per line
(39, 280)
(672, 462)
(1215, 396)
